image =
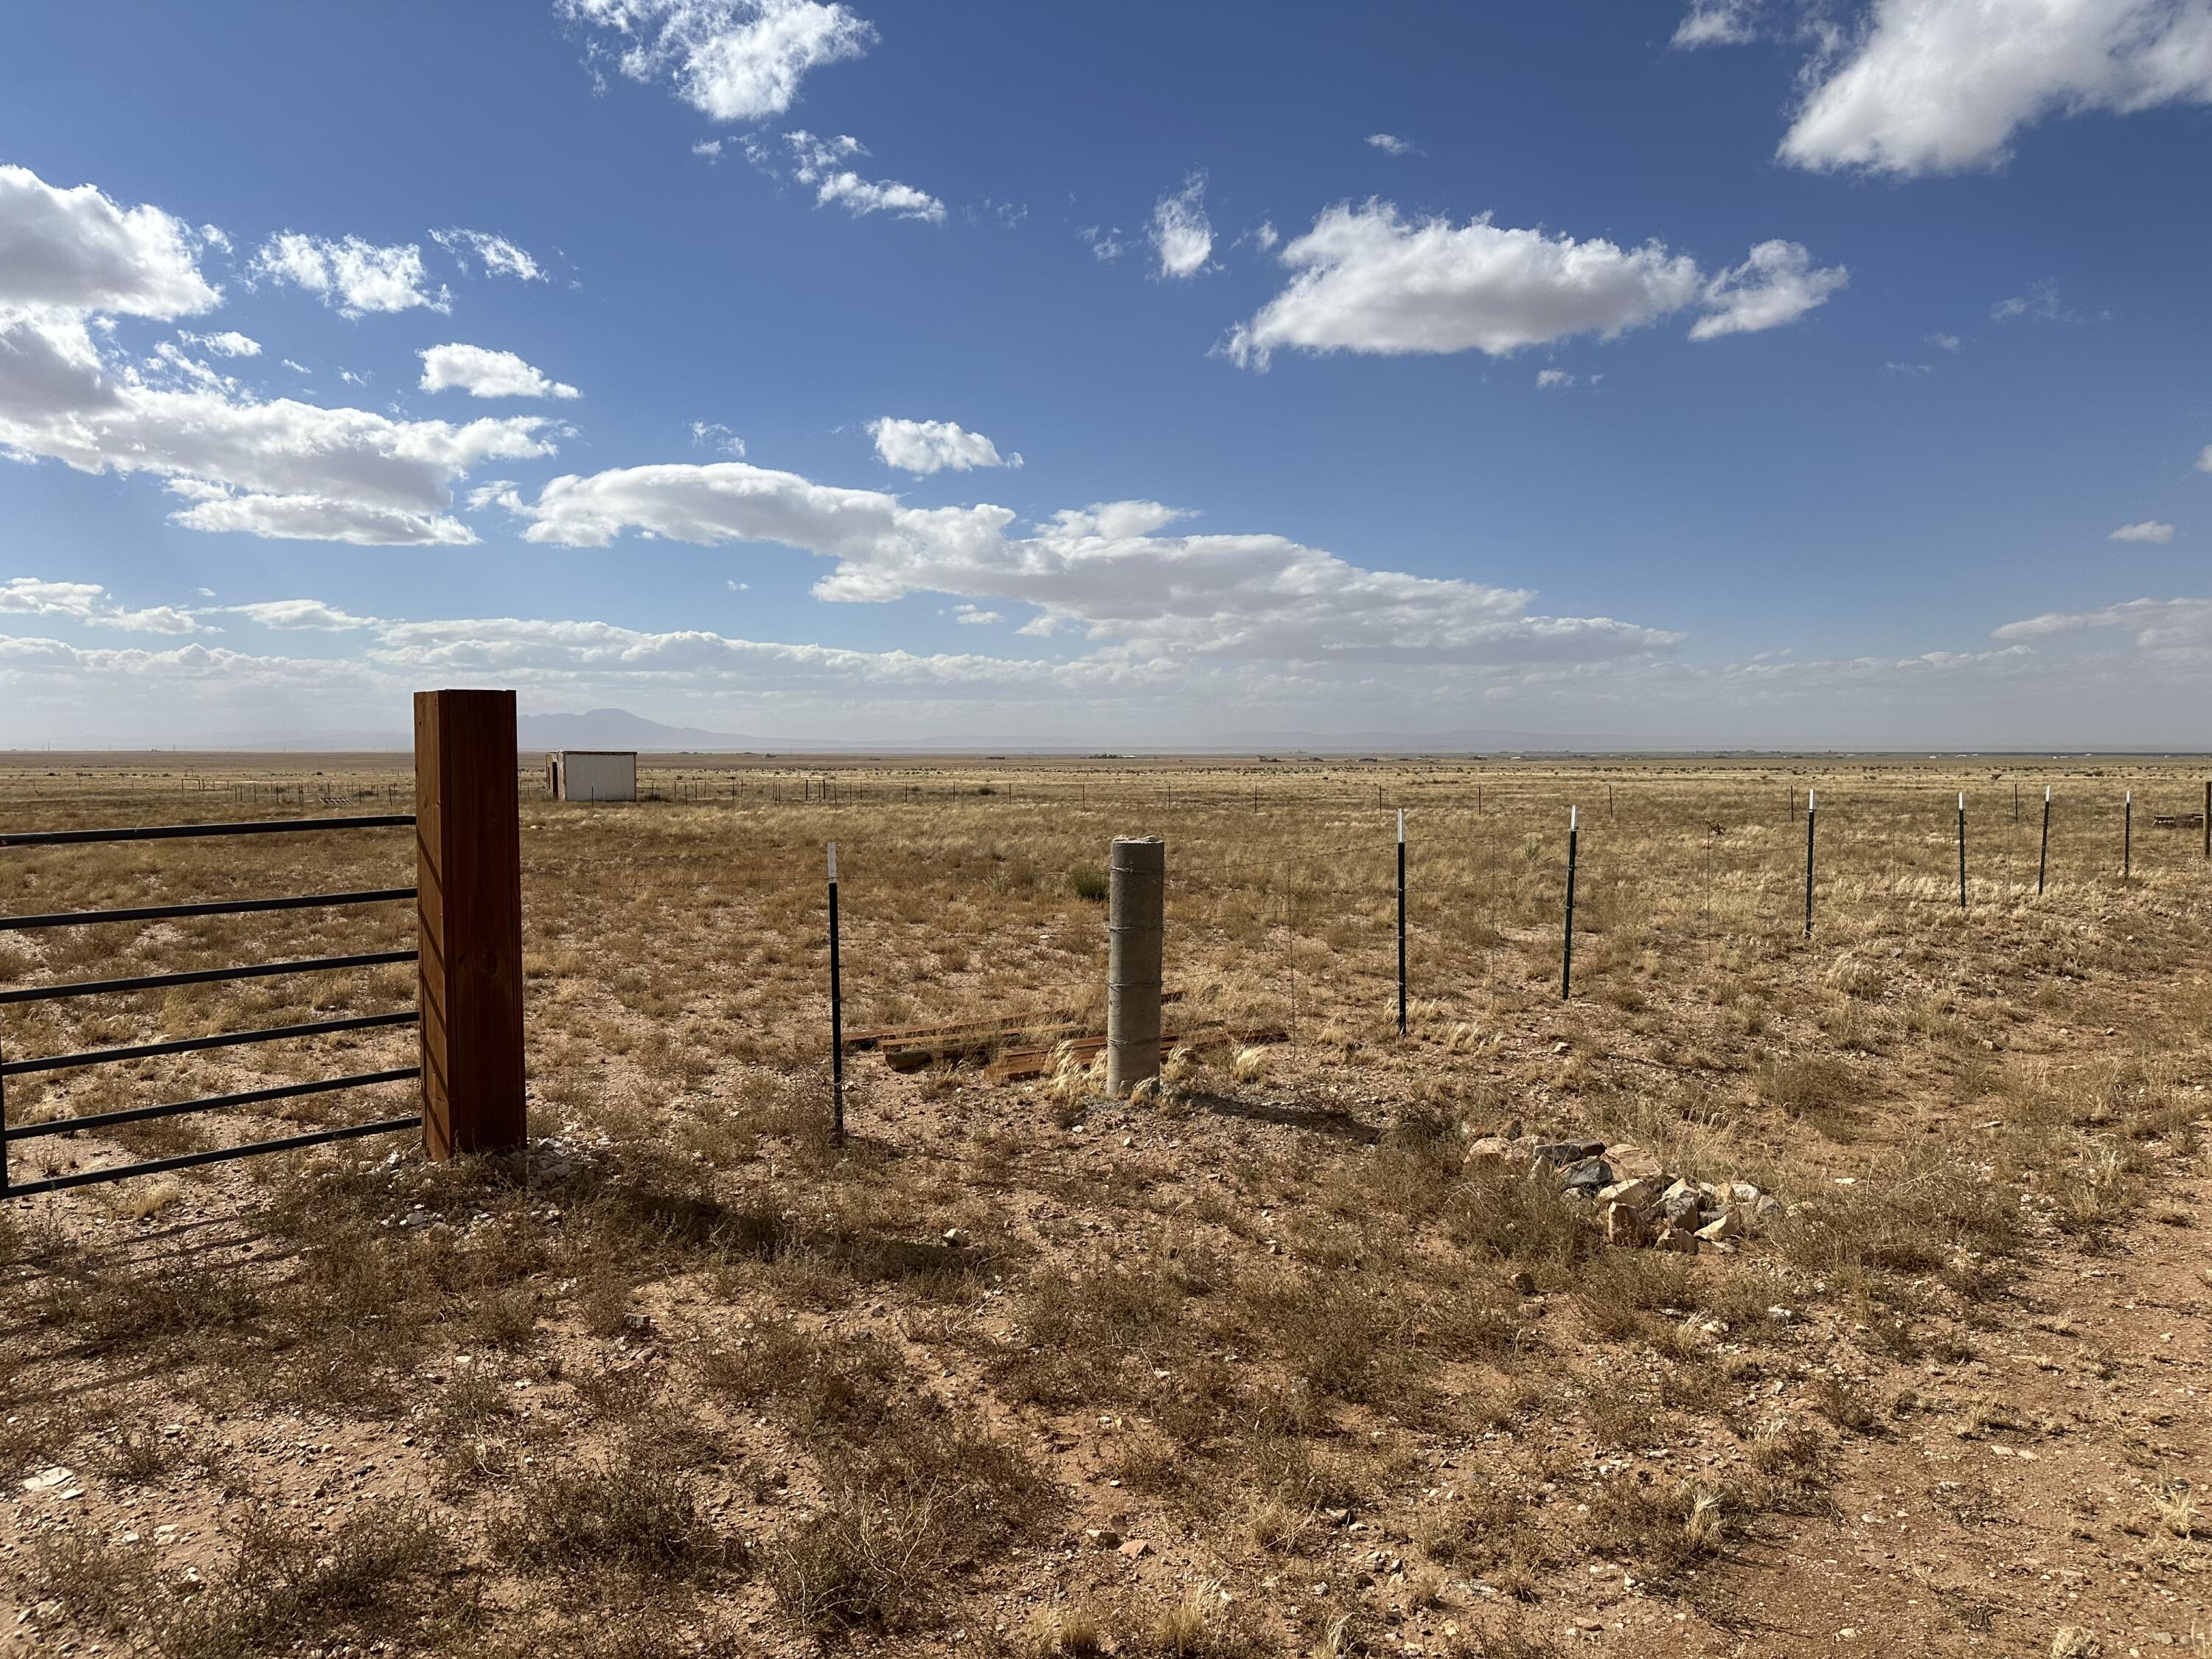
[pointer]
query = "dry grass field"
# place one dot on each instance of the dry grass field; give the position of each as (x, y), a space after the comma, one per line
(1285, 1360)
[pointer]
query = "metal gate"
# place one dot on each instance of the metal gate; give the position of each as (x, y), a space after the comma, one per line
(10, 1135)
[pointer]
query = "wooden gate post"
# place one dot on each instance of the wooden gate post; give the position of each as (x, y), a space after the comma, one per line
(468, 852)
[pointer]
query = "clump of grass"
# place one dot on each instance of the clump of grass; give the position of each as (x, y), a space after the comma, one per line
(1088, 882)
(377, 1579)
(630, 1512)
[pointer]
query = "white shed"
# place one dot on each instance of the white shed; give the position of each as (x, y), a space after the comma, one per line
(592, 775)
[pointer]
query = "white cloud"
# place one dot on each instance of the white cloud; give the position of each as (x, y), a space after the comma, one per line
(1945, 342)
(88, 603)
(1183, 236)
(968, 615)
(1105, 246)
(355, 275)
(498, 255)
(820, 162)
(1776, 285)
(278, 468)
(289, 614)
(2040, 304)
(1390, 144)
(1939, 86)
(1105, 571)
(713, 434)
(1912, 371)
(1719, 23)
(1370, 281)
(731, 60)
(931, 446)
(484, 373)
(1554, 380)
(74, 250)
(2149, 530)
(228, 344)
(2157, 624)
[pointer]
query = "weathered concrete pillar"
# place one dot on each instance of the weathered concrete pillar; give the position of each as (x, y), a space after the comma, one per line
(1136, 874)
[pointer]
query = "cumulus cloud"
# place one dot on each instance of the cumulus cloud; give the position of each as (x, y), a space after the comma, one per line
(88, 603)
(496, 255)
(314, 614)
(1776, 285)
(355, 276)
(2182, 624)
(2149, 530)
(1369, 280)
(927, 447)
(1106, 571)
(1183, 236)
(968, 615)
(280, 467)
(820, 163)
(484, 373)
(74, 250)
(1554, 380)
(731, 60)
(228, 344)
(1913, 87)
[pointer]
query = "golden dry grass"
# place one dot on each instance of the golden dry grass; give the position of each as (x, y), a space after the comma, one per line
(696, 1376)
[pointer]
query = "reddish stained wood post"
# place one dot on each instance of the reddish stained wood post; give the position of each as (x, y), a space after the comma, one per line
(468, 851)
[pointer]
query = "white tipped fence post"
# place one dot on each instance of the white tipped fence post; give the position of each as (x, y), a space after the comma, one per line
(1812, 811)
(1401, 922)
(1136, 888)
(1962, 849)
(836, 1016)
(1567, 935)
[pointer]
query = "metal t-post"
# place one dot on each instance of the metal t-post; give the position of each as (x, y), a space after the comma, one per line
(1136, 888)
(1401, 922)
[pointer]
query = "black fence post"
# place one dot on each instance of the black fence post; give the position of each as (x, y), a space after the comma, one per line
(1401, 922)
(1962, 849)
(836, 1016)
(1812, 812)
(1567, 938)
(2128, 837)
(2042, 853)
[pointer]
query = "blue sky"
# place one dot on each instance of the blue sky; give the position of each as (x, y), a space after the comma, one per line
(1747, 372)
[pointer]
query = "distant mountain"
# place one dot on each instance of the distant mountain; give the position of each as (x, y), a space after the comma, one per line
(619, 729)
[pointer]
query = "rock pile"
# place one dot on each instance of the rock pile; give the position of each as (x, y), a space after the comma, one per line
(1640, 1204)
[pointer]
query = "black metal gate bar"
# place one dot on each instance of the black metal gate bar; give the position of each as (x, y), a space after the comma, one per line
(62, 1126)
(92, 988)
(187, 1160)
(228, 907)
(204, 976)
(187, 831)
(193, 1045)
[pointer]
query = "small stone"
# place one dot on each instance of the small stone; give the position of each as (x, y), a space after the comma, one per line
(1491, 1149)
(1634, 1193)
(1779, 1314)
(1623, 1226)
(1102, 1538)
(2072, 1642)
(1722, 1226)
(1134, 1548)
(1587, 1177)
(1671, 1237)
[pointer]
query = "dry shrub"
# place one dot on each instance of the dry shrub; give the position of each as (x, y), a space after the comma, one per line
(379, 1579)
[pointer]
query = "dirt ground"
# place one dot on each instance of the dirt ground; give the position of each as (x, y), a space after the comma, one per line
(1309, 1354)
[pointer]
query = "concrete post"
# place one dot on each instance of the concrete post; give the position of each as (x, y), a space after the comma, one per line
(1135, 902)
